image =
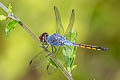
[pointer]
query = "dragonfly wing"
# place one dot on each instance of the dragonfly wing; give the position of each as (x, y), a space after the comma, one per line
(38, 61)
(59, 26)
(71, 23)
(51, 68)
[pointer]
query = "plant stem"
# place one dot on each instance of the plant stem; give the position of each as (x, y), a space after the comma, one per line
(29, 31)
(12, 16)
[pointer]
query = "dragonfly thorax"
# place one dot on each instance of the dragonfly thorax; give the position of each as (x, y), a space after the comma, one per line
(43, 37)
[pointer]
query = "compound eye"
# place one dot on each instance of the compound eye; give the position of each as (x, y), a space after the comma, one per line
(41, 38)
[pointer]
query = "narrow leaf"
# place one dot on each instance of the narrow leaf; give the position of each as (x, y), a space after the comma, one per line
(52, 63)
(69, 52)
(74, 66)
(10, 8)
(11, 25)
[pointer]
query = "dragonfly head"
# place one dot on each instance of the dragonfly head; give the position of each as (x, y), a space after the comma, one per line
(43, 37)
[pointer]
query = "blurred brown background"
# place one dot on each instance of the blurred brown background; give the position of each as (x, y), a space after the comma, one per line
(97, 22)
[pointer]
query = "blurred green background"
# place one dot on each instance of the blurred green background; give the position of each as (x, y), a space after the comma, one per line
(97, 22)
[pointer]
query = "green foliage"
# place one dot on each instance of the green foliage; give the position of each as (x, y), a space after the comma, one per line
(10, 8)
(69, 52)
(11, 25)
(73, 67)
(2, 17)
(52, 63)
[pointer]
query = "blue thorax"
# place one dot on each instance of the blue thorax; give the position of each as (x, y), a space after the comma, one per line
(58, 40)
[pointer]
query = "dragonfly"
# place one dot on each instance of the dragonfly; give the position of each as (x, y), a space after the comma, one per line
(58, 39)
(38, 61)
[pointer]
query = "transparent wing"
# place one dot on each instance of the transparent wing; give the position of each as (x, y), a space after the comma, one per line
(59, 26)
(38, 61)
(69, 52)
(68, 34)
(71, 23)
(51, 67)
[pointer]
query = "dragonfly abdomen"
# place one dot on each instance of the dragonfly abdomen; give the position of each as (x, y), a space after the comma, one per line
(69, 43)
(91, 47)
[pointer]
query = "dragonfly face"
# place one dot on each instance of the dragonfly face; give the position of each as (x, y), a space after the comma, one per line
(43, 37)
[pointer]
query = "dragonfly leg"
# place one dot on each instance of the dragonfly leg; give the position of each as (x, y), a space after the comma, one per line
(53, 49)
(47, 46)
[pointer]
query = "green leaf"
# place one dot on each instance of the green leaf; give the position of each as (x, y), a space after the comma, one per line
(11, 25)
(10, 8)
(52, 63)
(74, 66)
(69, 52)
(2, 17)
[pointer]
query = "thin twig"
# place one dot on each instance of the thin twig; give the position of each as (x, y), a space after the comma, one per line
(12, 16)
